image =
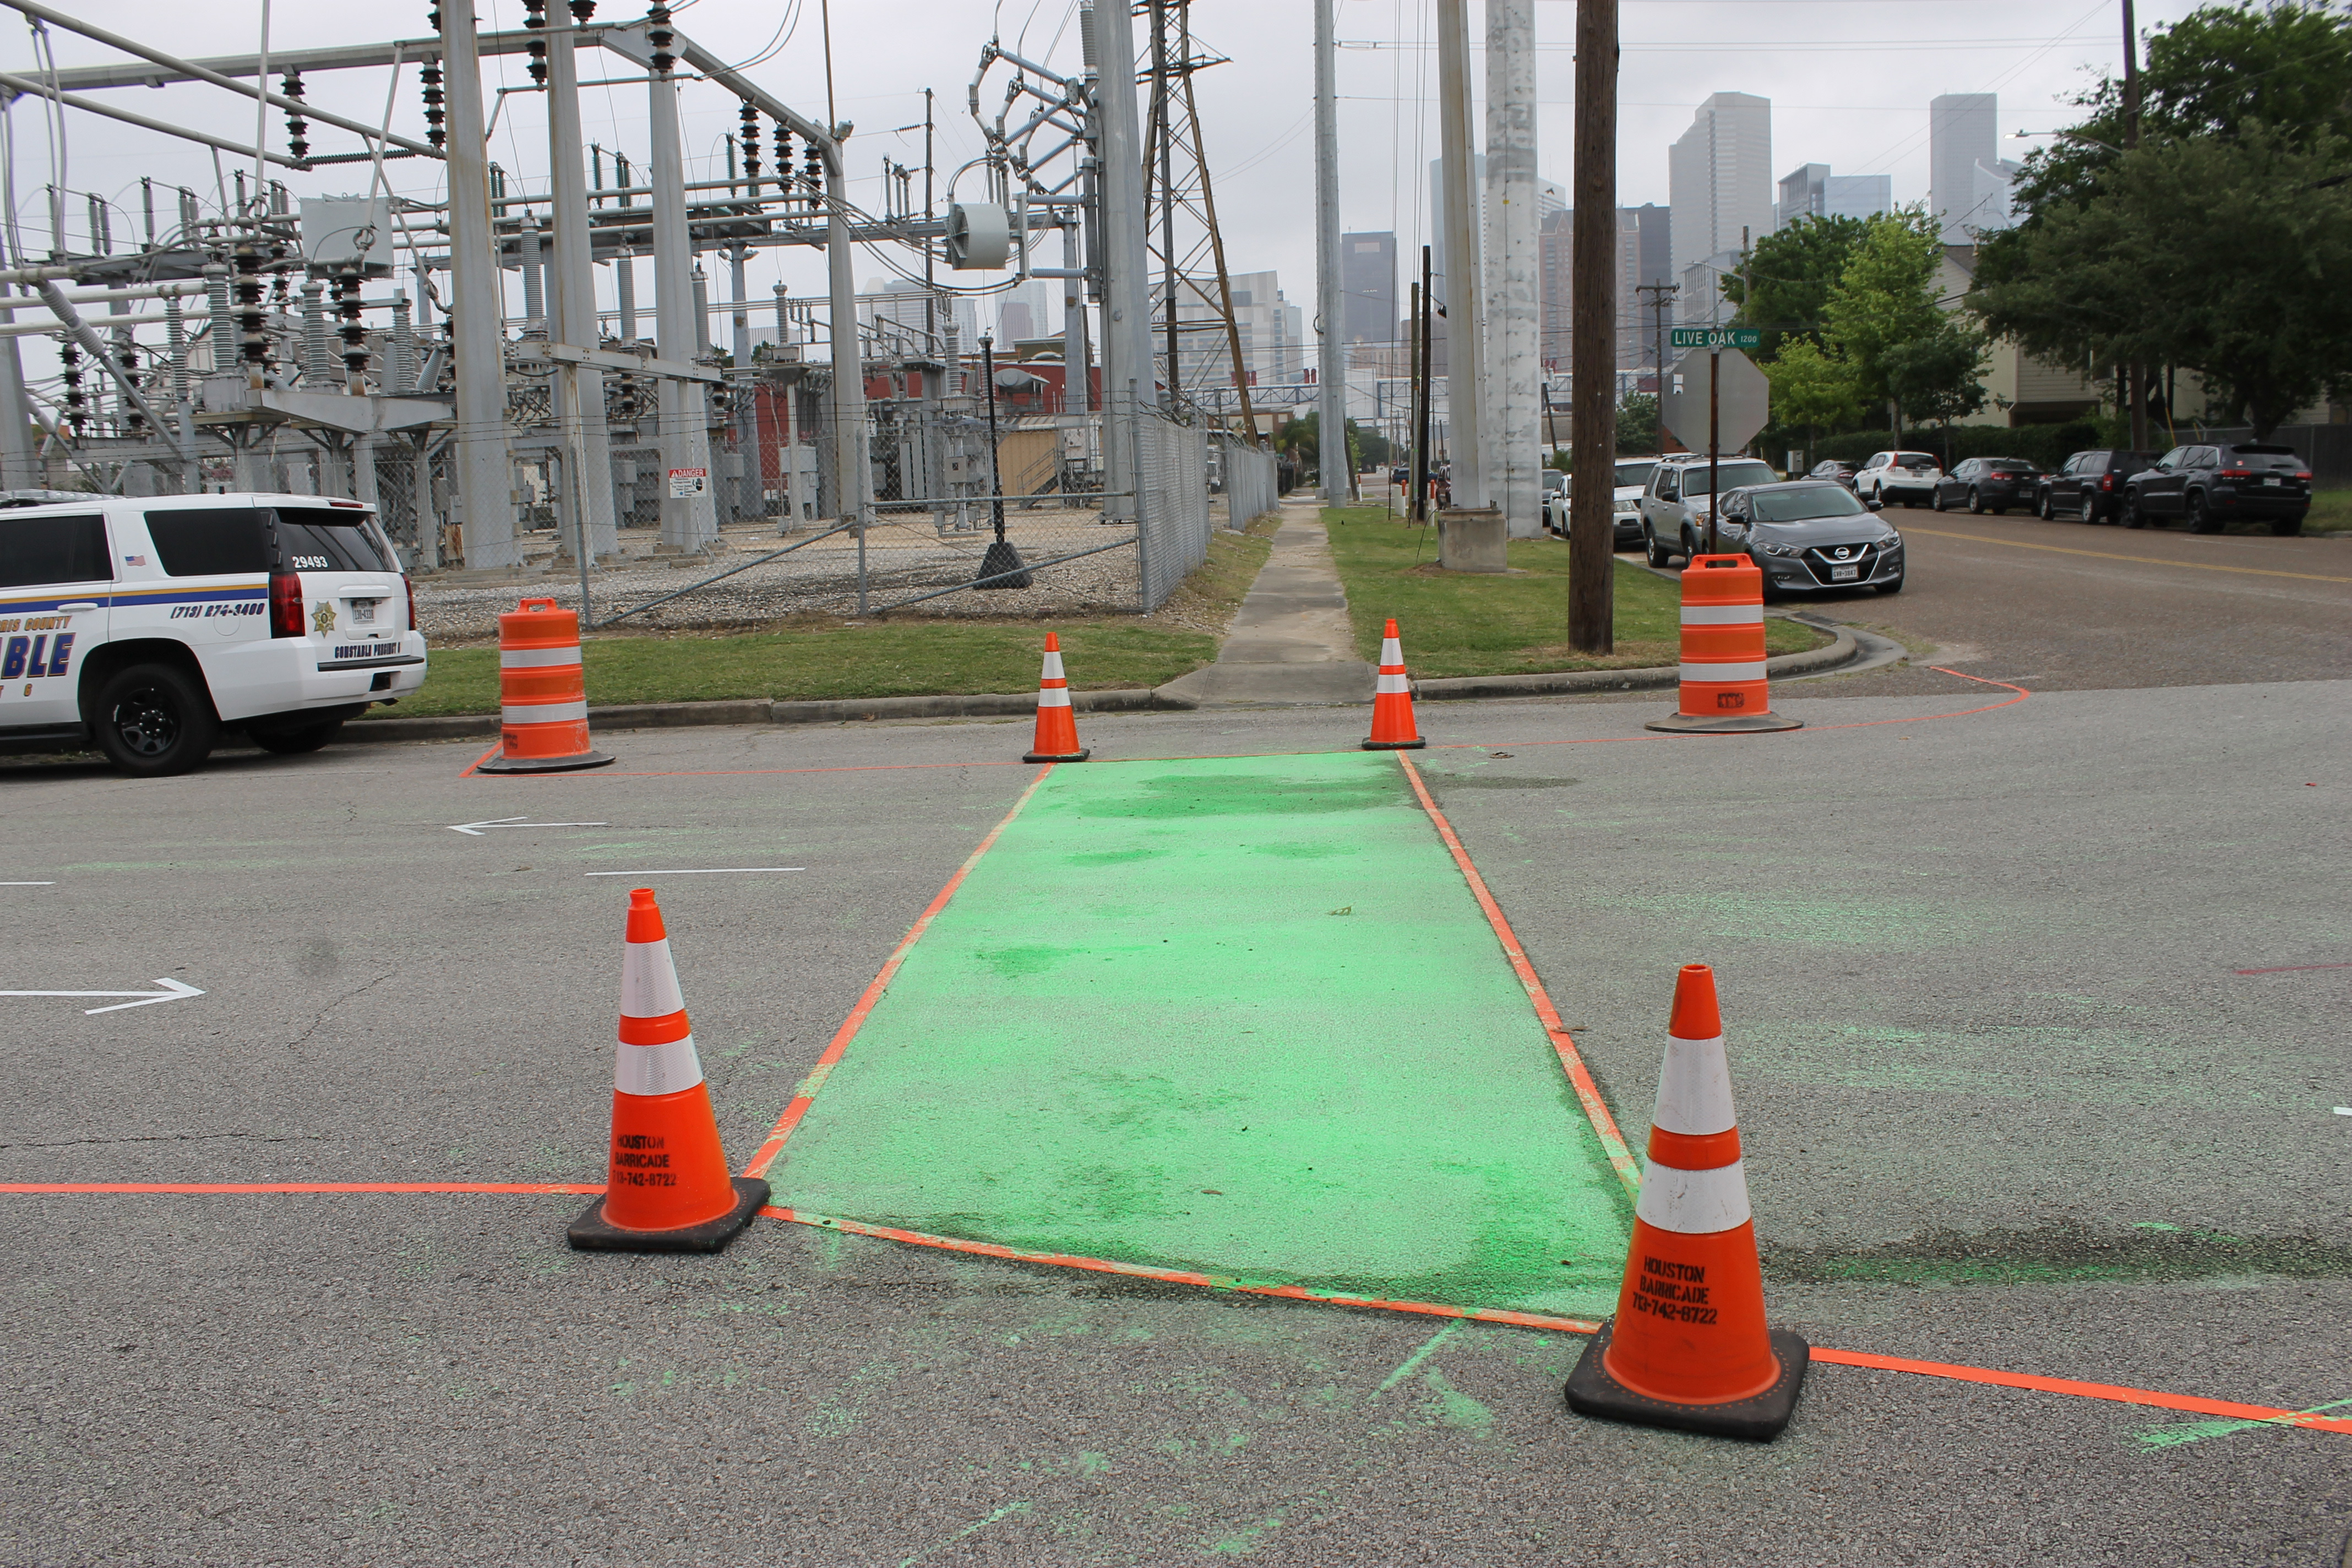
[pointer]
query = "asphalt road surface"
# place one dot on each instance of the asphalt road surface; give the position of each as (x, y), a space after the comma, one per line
(2035, 1012)
(2065, 606)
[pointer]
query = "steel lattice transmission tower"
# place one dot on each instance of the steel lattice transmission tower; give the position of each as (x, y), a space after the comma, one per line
(1182, 206)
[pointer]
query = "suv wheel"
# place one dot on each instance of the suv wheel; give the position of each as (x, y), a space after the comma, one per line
(1658, 554)
(294, 740)
(2132, 515)
(153, 720)
(2090, 513)
(2201, 516)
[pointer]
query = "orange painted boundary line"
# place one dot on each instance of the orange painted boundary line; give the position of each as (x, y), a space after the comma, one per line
(1790, 735)
(205, 1188)
(809, 1086)
(486, 756)
(2114, 1393)
(1587, 1093)
(744, 772)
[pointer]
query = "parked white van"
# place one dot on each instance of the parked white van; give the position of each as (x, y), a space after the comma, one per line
(146, 626)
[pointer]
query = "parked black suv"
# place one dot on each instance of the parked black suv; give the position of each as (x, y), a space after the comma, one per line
(1987, 484)
(2209, 485)
(2088, 485)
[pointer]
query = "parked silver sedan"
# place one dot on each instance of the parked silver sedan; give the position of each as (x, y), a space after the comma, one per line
(1811, 536)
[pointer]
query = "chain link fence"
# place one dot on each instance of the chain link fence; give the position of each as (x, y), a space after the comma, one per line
(1247, 475)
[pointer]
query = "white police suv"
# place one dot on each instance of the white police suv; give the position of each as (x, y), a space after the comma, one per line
(148, 625)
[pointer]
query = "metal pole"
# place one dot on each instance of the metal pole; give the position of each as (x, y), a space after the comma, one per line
(485, 472)
(1421, 385)
(1160, 93)
(1512, 327)
(852, 471)
(688, 521)
(588, 454)
(18, 470)
(1465, 360)
(1592, 336)
(1126, 325)
(1714, 410)
(1330, 359)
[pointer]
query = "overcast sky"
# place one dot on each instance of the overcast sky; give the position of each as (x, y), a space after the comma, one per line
(1849, 81)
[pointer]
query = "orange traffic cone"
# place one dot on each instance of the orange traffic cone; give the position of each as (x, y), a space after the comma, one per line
(1392, 728)
(667, 1190)
(1688, 1347)
(1057, 729)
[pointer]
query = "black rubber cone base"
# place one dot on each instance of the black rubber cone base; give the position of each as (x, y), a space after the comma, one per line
(542, 764)
(1078, 756)
(588, 1233)
(1730, 724)
(1395, 745)
(1002, 558)
(1592, 1392)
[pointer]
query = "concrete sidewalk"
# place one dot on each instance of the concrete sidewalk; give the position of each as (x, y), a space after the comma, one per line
(1289, 645)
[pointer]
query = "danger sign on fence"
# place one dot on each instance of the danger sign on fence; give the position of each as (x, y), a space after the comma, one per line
(687, 482)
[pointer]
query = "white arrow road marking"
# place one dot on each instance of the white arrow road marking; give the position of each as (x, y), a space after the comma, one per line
(478, 828)
(172, 992)
(696, 872)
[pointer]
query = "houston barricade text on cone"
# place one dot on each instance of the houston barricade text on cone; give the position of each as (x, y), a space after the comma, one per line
(667, 1187)
(1688, 1347)
(1724, 690)
(1392, 728)
(543, 693)
(1057, 729)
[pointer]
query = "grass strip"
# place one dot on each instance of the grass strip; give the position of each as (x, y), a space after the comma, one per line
(1515, 623)
(906, 658)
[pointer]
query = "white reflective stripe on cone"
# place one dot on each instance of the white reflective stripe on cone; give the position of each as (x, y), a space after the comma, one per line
(542, 713)
(1392, 651)
(1054, 697)
(1694, 1088)
(1392, 686)
(537, 658)
(649, 981)
(1053, 667)
(1694, 1203)
(1722, 614)
(657, 1070)
(1750, 670)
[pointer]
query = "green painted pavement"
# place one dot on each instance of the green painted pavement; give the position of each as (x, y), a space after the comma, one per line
(1238, 1016)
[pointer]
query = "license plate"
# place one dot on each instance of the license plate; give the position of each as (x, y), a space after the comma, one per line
(364, 612)
(1844, 574)
(2270, 481)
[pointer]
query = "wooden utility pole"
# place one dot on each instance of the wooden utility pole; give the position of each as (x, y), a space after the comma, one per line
(2136, 374)
(1592, 334)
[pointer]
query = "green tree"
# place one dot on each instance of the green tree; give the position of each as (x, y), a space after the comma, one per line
(1812, 389)
(1884, 320)
(1637, 424)
(1784, 283)
(2226, 255)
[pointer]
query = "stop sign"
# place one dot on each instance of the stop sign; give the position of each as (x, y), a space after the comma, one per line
(1744, 402)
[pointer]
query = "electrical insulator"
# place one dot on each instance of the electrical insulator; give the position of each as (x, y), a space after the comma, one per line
(659, 35)
(347, 313)
(298, 130)
(434, 113)
(812, 177)
(783, 159)
(751, 147)
(581, 11)
(76, 406)
(534, 18)
(129, 353)
(432, 18)
(252, 344)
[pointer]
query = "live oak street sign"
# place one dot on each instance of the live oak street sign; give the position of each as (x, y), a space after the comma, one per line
(1742, 400)
(1715, 337)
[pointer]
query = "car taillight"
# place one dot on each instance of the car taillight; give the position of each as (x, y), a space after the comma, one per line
(2107, 481)
(285, 605)
(2237, 473)
(409, 588)
(2303, 473)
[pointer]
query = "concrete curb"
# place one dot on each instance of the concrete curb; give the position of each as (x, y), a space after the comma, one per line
(759, 710)
(1015, 704)
(1781, 666)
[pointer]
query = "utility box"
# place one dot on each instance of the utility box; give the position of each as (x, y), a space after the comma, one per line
(331, 230)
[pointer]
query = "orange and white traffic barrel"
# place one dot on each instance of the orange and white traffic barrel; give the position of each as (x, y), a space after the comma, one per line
(1689, 1348)
(543, 693)
(666, 1186)
(1724, 690)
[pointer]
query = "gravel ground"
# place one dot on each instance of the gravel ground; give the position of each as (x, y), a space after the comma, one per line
(903, 558)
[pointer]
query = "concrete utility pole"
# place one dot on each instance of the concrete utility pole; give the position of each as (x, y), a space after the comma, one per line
(1592, 334)
(853, 473)
(19, 472)
(1330, 310)
(477, 313)
(1466, 362)
(687, 522)
(1514, 438)
(1076, 375)
(579, 389)
(1128, 380)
